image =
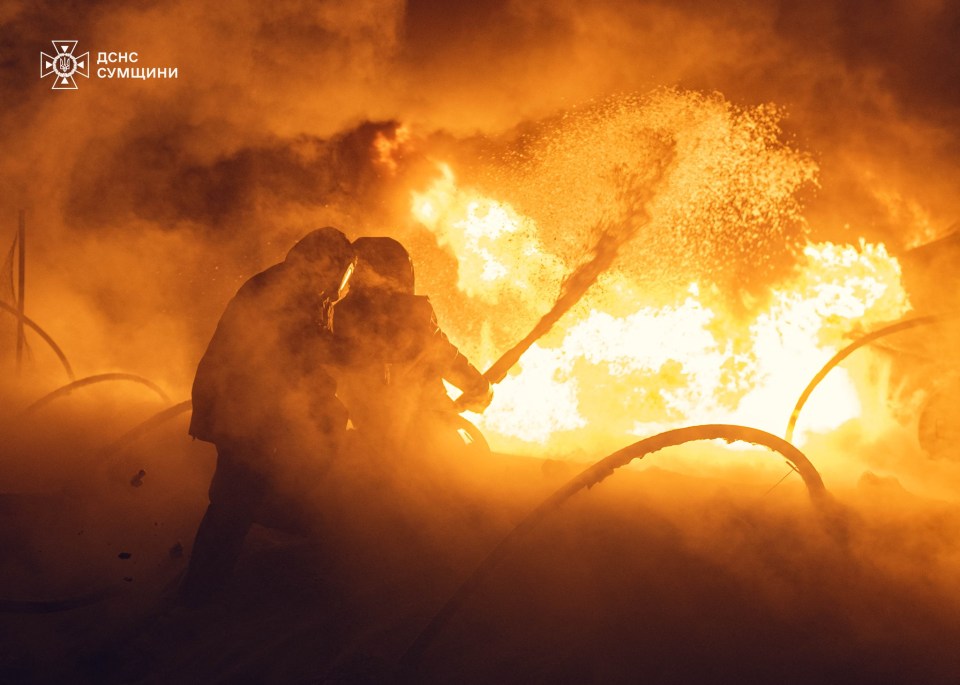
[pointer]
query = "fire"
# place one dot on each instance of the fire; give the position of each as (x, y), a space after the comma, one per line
(717, 308)
(612, 368)
(389, 146)
(493, 243)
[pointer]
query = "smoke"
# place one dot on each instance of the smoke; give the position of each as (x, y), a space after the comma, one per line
(751, 587)
(262, 136)
(150, 202)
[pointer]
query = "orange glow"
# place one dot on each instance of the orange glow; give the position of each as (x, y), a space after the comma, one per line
(390, 147)
(614, 368)
(497, 248)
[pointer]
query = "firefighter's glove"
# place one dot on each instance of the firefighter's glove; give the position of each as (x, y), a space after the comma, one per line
(476, 399)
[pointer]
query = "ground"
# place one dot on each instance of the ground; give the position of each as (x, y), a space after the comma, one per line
(652, 576)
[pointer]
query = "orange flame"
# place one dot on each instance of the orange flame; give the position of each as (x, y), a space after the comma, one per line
(612, 370)
(390, 147)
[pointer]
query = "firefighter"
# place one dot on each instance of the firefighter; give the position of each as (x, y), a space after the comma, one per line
(263, 395)
(394, 354)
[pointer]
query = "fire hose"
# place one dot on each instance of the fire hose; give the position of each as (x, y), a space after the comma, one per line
(850, 349)
(43, 334)
(90, 380)
(593, 475)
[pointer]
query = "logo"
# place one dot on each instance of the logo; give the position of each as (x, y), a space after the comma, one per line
(64, 65)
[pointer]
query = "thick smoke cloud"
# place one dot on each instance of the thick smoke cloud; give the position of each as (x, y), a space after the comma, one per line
(149, 203)
(233, 143)
(866, 88)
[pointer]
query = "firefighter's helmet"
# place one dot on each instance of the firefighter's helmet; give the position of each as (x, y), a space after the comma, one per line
(327, 254)
(383, 263)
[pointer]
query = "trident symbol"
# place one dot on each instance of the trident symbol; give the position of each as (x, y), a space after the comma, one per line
(64, 65)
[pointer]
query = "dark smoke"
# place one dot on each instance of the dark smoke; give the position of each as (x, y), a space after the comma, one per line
(167, 186)
(149, 203)
(262, 137)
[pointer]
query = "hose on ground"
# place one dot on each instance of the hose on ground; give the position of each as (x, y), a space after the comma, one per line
(410, 661)
(90, 380)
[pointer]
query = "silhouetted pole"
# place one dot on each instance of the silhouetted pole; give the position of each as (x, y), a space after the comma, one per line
(21, 277)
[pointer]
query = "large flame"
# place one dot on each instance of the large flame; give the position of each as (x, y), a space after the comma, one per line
(494, 244)
(612, 369)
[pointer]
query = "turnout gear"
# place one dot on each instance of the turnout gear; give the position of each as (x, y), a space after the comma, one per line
(394, 354)
(263, 395)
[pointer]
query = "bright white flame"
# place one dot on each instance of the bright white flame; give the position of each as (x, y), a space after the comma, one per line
(497, 249)
(610, 369)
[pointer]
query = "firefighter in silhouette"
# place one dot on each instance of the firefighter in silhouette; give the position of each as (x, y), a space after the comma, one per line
(265, 398)
(394, 355)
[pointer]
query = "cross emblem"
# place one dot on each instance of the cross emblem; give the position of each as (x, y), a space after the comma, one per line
(64, 65)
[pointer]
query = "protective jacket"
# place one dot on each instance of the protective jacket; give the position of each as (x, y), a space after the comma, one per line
(396, 357)
(265, 365)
